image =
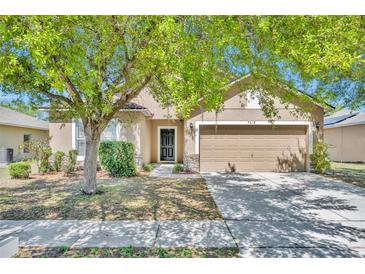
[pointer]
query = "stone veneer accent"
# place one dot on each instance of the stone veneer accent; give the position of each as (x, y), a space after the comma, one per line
(191, 162)
(139, 161)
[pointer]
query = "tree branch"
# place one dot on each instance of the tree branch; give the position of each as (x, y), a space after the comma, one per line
(130, 61)
(128, 96)
(71, 88)
(57, 97)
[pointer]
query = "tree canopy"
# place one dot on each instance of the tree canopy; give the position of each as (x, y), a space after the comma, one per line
(92, 66)
(96, 59)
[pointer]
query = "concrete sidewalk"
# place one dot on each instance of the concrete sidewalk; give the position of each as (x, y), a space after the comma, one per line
(165, 171)
(74, 233)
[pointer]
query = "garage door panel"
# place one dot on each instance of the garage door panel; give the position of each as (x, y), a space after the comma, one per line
(250, 148)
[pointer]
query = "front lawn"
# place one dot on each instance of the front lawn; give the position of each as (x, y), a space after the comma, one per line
(58, 197)
(353, 173)
(126, 252)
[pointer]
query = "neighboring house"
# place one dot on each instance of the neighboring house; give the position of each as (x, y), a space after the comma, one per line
(344, 132)
(15, 129)
(241, 139)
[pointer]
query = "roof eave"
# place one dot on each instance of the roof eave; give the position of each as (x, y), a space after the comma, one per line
(24, 126)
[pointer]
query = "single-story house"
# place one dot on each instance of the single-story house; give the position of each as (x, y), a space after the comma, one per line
(344, 132)
(15, 129)
(239, 138)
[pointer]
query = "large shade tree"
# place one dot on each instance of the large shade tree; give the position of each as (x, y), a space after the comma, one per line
(92, 66)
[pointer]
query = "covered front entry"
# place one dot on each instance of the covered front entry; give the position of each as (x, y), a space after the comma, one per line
(167, 144)
(225, 148)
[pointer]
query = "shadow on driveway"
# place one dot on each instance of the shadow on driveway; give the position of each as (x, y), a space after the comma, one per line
(291, 214)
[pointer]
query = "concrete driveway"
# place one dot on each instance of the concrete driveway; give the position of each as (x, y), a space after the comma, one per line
(291, 214)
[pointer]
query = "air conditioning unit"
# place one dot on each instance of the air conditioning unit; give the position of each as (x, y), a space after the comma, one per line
(6, 155)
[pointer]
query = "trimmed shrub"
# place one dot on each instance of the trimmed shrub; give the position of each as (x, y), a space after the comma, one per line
(58, 160)
(40, 151)
(177, 168)
(71, 161)
(117, 157)
(44, 166)
(319, 158)
(20, 170)
(148, 167)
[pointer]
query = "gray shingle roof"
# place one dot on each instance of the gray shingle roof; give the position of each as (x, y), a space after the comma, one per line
(353, 118)
(10, 117)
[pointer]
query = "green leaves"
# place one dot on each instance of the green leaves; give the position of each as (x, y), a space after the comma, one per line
(94, 64)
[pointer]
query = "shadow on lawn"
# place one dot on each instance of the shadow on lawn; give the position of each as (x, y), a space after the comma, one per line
(138, 198)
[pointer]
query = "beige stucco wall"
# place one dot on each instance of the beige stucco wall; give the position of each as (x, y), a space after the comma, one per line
(61, 136)
(143, 131)
(234, 110)
(154, 138)
(346, 143)
(146, 140)
(146, 99)
(13, 137)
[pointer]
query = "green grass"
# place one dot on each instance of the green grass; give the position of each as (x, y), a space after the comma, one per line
(126, 252)
(5, 177)
(136, 198)
(4, 173)
(353, 173)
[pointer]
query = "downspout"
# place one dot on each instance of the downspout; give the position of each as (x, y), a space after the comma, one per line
(341, 144)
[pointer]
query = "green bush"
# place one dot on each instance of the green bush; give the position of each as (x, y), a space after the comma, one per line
(319, 158)
(20, 170)
(40, 151)
(58, 160)
(71, 161)
(117, 157)
(44, 166)
(148, 167)
(177, 168)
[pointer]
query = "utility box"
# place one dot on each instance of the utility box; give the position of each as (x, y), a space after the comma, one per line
(10, 155)
(6, 155)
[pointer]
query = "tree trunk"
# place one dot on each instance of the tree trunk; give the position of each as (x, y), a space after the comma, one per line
(92, 139)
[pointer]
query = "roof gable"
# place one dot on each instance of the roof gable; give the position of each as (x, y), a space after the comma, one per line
(11, 117)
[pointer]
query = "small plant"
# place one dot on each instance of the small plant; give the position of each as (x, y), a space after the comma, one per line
(117, 157)
(94, 250)
(319, 158)
(44, 166)
(40, 151)
(62, 249)
(58, 160)
(71, 161)
(161, 252)
(127, 252)
(178, 168)
(148, 167)
(20, 170)
(186, 253)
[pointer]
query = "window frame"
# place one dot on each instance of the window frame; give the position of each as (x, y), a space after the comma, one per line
(76, 137)
(25, 149)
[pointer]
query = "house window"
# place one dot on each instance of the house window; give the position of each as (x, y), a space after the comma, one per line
(80, 138)
(252, 100)
(109, 134)
(26, 139)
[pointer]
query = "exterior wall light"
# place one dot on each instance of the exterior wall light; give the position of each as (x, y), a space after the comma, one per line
(317, 124)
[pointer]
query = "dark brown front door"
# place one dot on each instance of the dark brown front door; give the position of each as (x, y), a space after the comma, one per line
(167, 144)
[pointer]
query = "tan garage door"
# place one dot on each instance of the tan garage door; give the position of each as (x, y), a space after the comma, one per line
(252, 148)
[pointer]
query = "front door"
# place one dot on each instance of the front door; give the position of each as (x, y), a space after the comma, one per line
(167, 144)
